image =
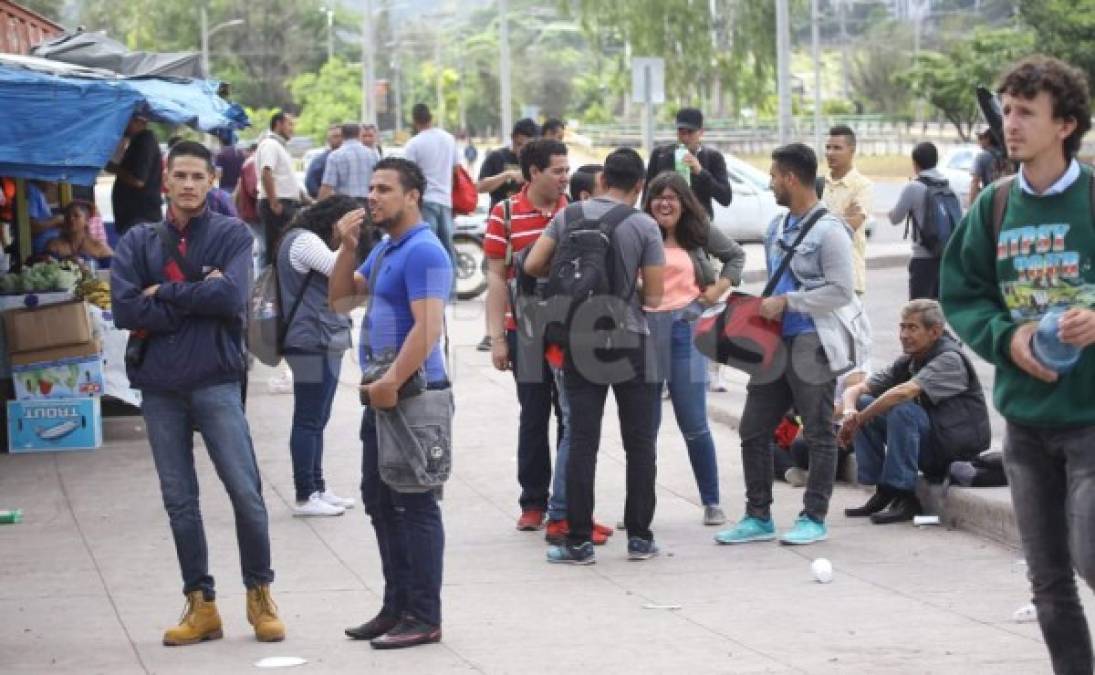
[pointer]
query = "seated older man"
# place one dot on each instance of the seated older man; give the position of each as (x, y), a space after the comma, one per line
(922, 412)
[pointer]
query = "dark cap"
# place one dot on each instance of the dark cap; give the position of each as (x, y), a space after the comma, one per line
(689, 118)
(526, 127)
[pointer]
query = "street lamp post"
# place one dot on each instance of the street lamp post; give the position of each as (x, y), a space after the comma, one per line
(503, 69)
(368, 73)
(208, 32)
(330, 32)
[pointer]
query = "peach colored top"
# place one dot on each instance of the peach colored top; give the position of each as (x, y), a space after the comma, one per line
(679, 281)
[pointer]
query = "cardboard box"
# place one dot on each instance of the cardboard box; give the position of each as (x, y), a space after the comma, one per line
(19, 300)
(64, 372)
(56, 425)
(60, 325)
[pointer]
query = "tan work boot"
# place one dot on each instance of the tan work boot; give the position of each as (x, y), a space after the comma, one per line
(200, 621)
(263, 615)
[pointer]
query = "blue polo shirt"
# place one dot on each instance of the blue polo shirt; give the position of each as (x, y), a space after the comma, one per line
(794, 323)
(415, 267)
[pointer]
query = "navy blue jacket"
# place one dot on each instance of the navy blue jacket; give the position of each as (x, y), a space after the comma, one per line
(195, 328)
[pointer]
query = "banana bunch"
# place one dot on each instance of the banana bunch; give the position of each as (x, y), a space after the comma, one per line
(97, 292)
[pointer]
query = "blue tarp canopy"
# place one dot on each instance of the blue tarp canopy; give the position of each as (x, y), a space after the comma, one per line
(64, 122)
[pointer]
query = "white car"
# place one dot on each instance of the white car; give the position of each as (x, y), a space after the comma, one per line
(753, 206)
(956, 165)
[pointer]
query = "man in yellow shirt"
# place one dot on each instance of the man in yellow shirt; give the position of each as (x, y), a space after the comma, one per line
(848, 195)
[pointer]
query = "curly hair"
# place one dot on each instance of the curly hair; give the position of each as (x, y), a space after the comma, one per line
(692, 228)
(321, 217)
(1066, 85)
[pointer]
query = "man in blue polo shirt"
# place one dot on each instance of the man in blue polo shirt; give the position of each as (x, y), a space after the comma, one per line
(406, 316)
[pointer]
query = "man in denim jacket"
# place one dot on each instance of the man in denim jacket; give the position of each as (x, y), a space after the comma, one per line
(823, 331)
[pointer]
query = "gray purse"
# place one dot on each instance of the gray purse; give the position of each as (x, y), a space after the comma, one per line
(415, 442)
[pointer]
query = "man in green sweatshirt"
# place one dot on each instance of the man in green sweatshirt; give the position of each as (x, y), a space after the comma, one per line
(1008, 263)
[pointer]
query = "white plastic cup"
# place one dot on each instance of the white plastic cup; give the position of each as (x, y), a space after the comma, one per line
(822, 570)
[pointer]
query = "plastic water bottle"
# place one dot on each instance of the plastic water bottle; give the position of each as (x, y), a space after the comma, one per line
(678, 163)
(1046, 344)
(10, 517)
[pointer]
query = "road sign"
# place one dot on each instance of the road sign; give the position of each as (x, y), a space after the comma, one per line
(646, 71)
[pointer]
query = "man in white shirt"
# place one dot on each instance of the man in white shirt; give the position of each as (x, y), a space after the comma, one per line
(280, 193)
(434, 151)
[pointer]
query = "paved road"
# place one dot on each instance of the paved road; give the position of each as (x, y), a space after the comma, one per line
(89, 581)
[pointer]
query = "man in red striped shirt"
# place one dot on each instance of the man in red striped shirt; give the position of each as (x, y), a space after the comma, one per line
(514, 225)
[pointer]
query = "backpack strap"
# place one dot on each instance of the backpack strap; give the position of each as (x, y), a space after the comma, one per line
(784, 264)
(507, 225)
(169, 238)
(1000, 204)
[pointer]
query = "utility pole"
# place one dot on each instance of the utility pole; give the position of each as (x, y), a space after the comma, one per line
(505, 97)
(368, 74)
(205, 42)
(438, 85)
(330, 34)
(918, 8)
(397, 73)
(783, 61)
(842, 11)
(815, 39)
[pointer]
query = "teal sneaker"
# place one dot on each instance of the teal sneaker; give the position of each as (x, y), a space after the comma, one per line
(746, 530)
(806, 531)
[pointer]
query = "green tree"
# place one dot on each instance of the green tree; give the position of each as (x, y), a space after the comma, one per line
(331, 96)
(1064, 29)
(947, 80)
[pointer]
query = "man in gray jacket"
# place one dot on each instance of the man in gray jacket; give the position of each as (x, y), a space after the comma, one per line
(819, 312)
(910, 207)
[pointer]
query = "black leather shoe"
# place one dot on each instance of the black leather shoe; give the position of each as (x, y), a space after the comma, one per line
(409, 632)
(903, 508)
(374, 628)
(878, 501)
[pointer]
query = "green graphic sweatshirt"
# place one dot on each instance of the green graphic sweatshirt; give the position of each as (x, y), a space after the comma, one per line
(1044, 257)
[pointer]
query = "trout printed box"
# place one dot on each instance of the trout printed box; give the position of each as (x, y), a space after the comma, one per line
(53, 425)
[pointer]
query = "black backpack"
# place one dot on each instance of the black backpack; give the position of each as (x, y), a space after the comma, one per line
(942, 213)
(582, 273)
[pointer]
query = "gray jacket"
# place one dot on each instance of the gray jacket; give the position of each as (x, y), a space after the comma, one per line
(911, 205)
(314, 328)
(823, 265)
(726, 250)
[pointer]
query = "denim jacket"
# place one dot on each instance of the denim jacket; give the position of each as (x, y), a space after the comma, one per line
(823, 266)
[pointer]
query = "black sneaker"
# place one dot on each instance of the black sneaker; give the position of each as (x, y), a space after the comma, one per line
(568, 554)
(484, 344)
(409, 632)
(374, 628)
(641, 549)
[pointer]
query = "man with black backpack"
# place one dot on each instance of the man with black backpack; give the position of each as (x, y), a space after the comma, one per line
(604, 260)
(931, 211)
(181, 287)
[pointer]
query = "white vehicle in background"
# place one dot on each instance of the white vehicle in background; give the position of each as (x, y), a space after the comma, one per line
(957, 165)
(753, 206)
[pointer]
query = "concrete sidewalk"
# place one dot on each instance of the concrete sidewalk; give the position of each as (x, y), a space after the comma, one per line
(89, 581)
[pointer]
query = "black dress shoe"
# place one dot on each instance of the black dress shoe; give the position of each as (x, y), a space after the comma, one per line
(878, 501)
(410, 632)
(903, 508)
(374, 628)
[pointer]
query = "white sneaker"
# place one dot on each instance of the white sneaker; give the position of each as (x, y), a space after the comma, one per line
(1025, 614)
(282, 383)
(316, 506)
(796, 477)
(334, 500)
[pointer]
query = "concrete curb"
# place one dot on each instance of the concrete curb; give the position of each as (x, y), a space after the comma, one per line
(874, 263)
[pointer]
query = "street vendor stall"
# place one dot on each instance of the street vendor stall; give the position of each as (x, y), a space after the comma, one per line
(58, 343)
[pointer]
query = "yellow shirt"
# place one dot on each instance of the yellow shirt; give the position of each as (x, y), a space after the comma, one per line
(848, 197)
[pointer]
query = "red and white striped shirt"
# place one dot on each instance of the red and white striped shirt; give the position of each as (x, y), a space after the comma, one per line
(527, 223)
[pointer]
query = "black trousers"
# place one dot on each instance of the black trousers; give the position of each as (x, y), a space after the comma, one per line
(924, 278)
(635, 397)
(273, 225)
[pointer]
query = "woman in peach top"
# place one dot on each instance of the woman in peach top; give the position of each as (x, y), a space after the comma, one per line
(691, 283)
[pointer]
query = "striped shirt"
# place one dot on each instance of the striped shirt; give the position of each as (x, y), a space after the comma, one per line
(527, 223)
(308, 252)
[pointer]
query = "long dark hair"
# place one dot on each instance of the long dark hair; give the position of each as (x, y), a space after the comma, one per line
(692, 228)
(321, 217)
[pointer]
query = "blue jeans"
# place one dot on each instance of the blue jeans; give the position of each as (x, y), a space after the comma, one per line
(682, 366)
(409, 535)
(439, 218)
(218, 413)
(315, 380)
(1051, 473)
(557, 504)
(890, 448)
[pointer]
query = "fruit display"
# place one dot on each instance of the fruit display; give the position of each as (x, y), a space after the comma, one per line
(43, 277)
(95, 291)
